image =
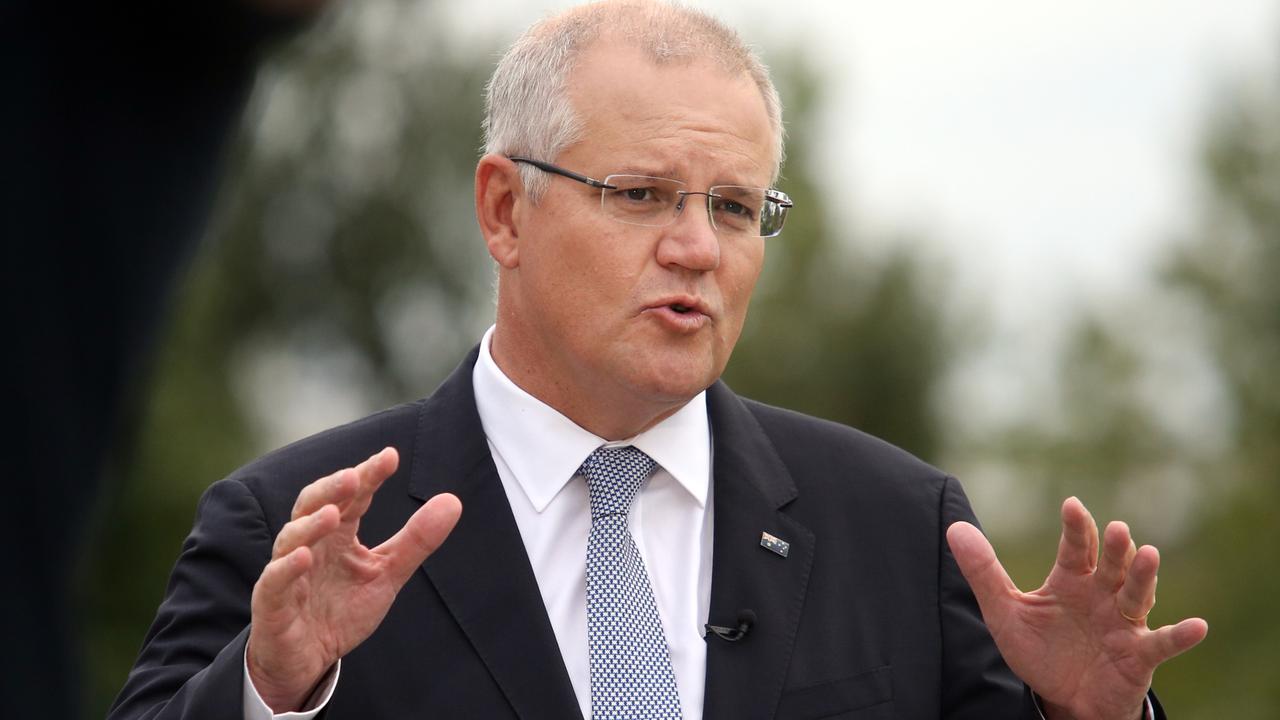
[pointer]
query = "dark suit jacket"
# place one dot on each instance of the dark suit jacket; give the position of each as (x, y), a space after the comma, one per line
(867, 617)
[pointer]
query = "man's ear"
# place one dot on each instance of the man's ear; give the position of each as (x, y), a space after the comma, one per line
(498, 192)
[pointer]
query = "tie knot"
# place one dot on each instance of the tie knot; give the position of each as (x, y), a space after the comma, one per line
(614, 476)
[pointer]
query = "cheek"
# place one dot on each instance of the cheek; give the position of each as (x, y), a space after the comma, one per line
(574, 264)
(736, 287)
(742, 272)
(611, 268)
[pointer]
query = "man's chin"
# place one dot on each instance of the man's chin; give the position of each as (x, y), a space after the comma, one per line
(677, 381)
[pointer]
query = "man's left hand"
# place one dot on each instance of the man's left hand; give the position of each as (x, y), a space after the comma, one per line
(1081, 641)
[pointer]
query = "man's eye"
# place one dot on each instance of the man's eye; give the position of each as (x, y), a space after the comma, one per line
(639, 194)
(729, 207)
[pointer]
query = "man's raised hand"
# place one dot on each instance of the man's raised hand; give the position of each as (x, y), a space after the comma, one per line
(323, 592)
(1081, 641)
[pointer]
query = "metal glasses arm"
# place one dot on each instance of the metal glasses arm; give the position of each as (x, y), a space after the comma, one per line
(557, 170)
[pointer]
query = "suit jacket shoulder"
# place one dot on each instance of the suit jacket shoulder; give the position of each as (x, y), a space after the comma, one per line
(466, 637)
(841, 461)
(277, 477)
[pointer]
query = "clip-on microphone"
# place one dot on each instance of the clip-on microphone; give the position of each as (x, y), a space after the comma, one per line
(746, 618)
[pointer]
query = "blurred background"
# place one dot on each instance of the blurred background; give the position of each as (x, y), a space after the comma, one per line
(1035, 244)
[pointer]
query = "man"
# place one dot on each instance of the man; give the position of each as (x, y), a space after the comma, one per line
(638, 541)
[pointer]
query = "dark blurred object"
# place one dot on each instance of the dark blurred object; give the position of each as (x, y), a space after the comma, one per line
(113, 125)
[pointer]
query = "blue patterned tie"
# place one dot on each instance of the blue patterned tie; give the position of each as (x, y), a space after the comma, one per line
(631, 673)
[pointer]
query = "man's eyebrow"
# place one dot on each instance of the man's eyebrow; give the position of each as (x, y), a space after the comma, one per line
(657, 171)
(671, 172)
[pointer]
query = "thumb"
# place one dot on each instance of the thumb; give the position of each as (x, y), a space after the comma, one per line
(978, 563)
(422, 535)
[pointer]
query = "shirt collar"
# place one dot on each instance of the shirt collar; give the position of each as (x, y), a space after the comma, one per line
(544, 449)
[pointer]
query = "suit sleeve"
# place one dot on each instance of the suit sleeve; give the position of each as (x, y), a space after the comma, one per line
(192, 661)
(976, 683)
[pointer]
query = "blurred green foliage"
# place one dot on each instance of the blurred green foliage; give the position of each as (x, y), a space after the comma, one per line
(835, 330)
(1206, 487)
(344, 273)
(1230, 269)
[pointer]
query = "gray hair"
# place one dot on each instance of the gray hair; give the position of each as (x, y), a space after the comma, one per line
(527, 106)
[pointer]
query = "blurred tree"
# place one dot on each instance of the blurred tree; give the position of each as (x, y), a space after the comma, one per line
(1213, 504)
(835, 331)
(342, 275)
(1229, 269)
(346, 274)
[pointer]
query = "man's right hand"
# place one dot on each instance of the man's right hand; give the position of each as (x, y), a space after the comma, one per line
(324, 592)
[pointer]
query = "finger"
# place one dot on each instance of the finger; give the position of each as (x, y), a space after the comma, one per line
(335, 489)
(1078, 548)
(1138, 594)
(1172, 640)
(978, 563)
(1118, 552)
(420, 536)
(370, 475)
(273, 591)
(305, 530)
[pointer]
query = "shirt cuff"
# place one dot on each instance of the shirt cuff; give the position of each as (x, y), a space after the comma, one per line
(256, 709)
(1149, 713)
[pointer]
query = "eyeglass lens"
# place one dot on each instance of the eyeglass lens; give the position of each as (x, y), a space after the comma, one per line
(650, 201)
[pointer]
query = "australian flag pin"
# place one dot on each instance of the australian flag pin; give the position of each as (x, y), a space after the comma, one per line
(775, 544)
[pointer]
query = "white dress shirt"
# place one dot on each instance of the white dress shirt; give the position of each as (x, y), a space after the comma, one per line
(537, 452)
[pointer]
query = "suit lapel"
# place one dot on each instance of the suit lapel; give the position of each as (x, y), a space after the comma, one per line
(482, 571)
(484, 577)
(745, 678)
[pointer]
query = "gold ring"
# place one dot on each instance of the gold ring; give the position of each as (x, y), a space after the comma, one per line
(1141, 620)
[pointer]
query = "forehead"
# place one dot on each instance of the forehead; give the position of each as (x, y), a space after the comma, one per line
(680, 117)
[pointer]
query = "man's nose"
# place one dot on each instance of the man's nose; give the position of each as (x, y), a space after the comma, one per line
(690, 241)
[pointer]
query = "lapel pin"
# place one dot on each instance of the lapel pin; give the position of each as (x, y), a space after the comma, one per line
(775, 544)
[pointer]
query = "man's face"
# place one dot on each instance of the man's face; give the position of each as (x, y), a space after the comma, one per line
(625, 314)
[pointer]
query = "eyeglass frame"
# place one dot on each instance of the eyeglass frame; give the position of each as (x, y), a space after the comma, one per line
(771, 194)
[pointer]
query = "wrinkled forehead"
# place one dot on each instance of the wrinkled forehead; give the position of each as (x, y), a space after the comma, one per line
(670, 112)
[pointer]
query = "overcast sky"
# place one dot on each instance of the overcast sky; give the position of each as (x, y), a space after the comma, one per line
(1047, 147)
(1046, 150)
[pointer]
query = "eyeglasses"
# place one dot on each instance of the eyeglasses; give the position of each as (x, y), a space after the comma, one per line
(657, 202)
